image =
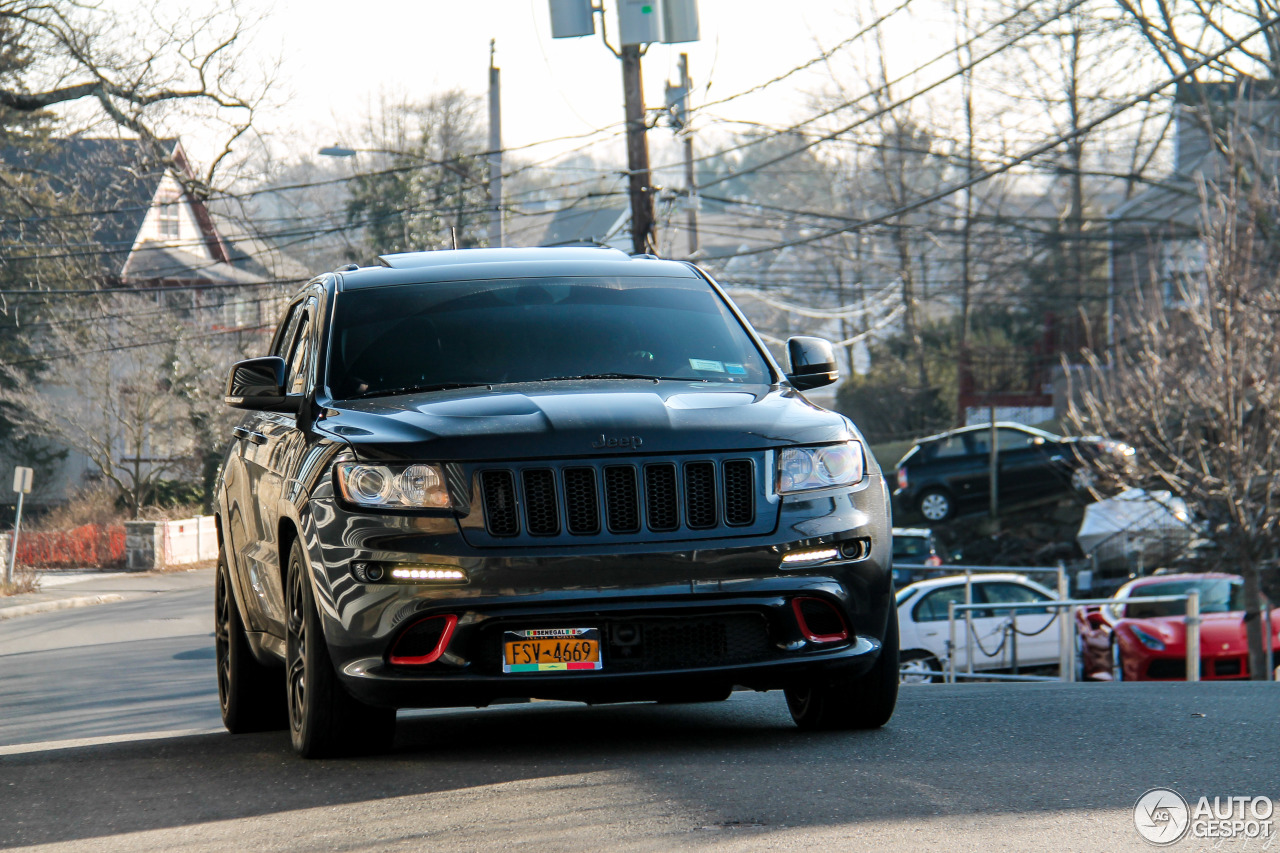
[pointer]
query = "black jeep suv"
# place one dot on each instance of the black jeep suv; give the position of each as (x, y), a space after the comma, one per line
(558, 473)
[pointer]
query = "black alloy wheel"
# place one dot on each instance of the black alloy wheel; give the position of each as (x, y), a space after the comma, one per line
(866, 702)
(324, 719)
(250, 694)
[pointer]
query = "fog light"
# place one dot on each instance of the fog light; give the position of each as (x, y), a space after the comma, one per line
(428, 573)
(812, 555)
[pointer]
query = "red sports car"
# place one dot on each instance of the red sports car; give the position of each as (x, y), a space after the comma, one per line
(1136, 640)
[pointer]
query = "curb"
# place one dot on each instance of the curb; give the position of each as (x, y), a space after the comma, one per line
(60, 604)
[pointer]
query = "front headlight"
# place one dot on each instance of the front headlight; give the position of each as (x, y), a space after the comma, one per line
(1149, 640)
(416, 486)
(803, 468)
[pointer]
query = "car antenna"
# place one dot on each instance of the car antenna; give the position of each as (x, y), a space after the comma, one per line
(453, 231)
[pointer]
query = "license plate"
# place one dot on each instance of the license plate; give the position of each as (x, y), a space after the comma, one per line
(551, 650)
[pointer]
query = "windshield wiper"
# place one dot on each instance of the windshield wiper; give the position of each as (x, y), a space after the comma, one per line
(422, 389)
(615, 376)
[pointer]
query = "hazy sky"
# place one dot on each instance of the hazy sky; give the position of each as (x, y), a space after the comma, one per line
(337, 56)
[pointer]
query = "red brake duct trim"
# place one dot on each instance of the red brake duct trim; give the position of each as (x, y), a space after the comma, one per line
(432, 656)
(808, 632)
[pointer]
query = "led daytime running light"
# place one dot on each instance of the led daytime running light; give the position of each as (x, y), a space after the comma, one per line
(428, 574)
(813, 555)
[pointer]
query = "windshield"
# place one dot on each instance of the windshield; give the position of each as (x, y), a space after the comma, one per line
(447, 334)
(1217, 595)
(910, 546)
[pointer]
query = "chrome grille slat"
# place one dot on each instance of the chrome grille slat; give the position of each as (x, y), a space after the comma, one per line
(582, 511)
(700, 495)
(498, 489)
(624, 498)
(541, 513)
(661, 503)
(621, 499)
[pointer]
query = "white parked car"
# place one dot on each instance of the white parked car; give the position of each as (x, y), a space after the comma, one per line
(922, 625)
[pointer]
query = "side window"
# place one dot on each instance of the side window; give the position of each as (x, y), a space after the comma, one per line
(300, 355)
(949, 448)
(1012, 593)
(933, 607)
(1012, 439)
(281, 343)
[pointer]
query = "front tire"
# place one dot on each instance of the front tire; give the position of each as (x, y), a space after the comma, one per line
(251, 695)
(866, 702)
(324, 719)
(936, 505)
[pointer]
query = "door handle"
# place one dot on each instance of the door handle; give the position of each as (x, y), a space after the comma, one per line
(249, 435)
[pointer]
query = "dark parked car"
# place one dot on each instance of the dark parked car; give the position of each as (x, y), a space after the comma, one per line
(949, 473)
(914, 546)
(560, 473)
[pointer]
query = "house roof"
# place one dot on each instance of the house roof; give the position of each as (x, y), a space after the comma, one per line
(586, 224)
(113, 181)
(106, 188)
(157, 262)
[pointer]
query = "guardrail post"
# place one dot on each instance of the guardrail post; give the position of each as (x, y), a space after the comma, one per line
(1013, 640)
(951, 629)
(1066, 630)
(1193, 635)
(968, 622)
(1067, 654)
(1267, 629)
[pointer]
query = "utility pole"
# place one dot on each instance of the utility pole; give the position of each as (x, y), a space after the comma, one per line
(637, 152)
(678, 103)
(496, 236)
(640, 23)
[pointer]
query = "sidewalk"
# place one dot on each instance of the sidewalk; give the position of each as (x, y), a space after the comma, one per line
(62, 589)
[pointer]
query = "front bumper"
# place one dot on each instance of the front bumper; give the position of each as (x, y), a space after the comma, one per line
(710, 614)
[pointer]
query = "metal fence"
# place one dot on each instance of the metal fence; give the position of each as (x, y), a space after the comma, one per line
(1067, 622)
(1067, 650)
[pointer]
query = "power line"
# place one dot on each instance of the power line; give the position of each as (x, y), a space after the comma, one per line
(1035, 152)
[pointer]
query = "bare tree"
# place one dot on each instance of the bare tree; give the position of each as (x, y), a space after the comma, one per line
(1192, 384)
(143, 72)
(136, 393)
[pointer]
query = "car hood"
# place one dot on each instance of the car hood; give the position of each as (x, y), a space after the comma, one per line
(581, 418)
(1220, 633)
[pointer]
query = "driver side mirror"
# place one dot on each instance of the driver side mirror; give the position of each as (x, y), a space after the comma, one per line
(259, 384)
(813, 363)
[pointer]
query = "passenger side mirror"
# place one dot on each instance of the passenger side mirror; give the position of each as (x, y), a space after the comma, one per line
(258, 384)
(813, 363)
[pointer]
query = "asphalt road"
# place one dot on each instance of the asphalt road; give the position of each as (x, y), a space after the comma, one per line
(110, 740)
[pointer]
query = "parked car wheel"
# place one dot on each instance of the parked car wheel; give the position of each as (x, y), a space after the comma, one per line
(918, 667)
(324, 719)
(866, 702)
(251, 695)
(936, 505)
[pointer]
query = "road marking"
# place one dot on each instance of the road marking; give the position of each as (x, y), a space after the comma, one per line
(104, 740)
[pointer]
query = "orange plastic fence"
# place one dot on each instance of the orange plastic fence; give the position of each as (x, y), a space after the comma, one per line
(91, 545)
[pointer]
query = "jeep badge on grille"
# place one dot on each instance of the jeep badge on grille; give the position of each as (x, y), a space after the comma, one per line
(632, 441)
